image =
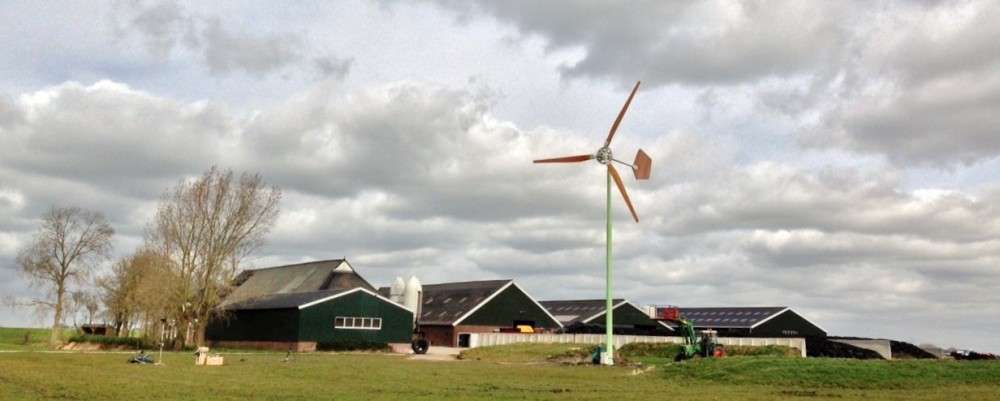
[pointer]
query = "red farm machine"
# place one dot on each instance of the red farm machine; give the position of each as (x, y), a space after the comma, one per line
(704, 344)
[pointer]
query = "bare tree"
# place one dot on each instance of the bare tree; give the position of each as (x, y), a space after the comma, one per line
(207, 227)
(139, 290)
(67, 247)
(86, 300)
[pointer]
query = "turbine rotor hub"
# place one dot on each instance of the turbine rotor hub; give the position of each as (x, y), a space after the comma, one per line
(603, 155)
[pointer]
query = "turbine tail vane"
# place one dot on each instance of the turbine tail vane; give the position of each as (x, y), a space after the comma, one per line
(642, 166)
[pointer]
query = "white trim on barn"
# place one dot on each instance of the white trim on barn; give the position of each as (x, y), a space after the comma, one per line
(338, 295)
(613, 307)
(497, 292)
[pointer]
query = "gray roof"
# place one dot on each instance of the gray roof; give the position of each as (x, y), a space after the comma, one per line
(291, 280)
(282, 301)
(569, 312)
(730, 317)
(444, 303)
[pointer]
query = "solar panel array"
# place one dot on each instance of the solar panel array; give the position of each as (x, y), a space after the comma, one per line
(742, 317)
(569, 312)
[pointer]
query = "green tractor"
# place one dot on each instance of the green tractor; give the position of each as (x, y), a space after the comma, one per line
(705, 345)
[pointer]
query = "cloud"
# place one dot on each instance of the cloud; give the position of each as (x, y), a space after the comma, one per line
(166, 26)
(912, 81)
(107, 132)
(768, 195)
(226, 51)
(333, 67)
(719, 42)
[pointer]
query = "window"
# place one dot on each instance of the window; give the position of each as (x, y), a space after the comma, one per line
(359, 323)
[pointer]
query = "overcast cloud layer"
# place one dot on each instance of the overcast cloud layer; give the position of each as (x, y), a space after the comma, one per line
(835, 157)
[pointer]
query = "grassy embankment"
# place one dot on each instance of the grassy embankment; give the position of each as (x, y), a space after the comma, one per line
(514, 372)
(13, 339)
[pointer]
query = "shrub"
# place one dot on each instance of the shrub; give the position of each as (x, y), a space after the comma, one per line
(128, 342)
(352, 345)
(765, 350)
(662, 350)
(670, 350)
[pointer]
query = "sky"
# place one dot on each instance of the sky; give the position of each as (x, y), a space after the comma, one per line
(835, 157)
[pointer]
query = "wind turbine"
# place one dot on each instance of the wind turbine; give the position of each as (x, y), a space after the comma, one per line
(640, 168)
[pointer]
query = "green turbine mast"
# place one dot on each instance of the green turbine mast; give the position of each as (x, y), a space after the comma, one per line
(641, 168)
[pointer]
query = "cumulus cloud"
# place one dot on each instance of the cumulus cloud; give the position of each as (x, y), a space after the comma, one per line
(164, 26)
(107, 132)
(913, 81)
(664, 42)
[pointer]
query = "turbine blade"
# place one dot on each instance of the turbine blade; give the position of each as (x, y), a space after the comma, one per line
(621, 114)
(621, 188)
(567, 159)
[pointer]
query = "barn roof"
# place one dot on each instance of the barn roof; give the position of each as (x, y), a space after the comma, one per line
(731, 317)
(282, 301)
(310, 277)
(300, 300)
(569, 312)
(448, 303)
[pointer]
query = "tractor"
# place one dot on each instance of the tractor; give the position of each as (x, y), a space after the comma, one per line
(705, 345)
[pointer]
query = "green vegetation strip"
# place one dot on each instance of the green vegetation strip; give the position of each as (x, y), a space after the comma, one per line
(354, 376)
(837, 373)
(21, 339)
(526, 371)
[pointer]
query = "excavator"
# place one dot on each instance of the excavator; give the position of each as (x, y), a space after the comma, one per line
(705, 345)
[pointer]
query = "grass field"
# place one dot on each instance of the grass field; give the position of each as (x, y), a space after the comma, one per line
(511, 373)
(13, 339)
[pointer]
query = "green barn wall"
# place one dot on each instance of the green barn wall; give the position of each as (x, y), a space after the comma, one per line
(787, 324)
(316, 322)
(507, 307)
(255, 325)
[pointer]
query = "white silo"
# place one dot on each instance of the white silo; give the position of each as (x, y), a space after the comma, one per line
(413, 295)
(396, 290)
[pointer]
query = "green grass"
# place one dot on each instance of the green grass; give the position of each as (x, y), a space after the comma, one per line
(358, 376)
(12, 338)
(838, 373)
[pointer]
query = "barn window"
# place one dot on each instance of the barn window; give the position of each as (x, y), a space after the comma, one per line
(359, 323)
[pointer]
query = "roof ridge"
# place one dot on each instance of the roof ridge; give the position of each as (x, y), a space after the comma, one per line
(297, 264)
(584, 300)
(468, 282)
(732, 307)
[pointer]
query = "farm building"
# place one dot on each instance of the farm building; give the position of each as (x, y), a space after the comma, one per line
(450, 311)
(307, 306)
(587, 316)
(773, 321)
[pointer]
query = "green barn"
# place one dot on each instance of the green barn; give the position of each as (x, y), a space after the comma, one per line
(587, 316)
(308, 306)
(451, 312)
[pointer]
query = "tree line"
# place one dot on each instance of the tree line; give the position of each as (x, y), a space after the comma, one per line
(171, 286)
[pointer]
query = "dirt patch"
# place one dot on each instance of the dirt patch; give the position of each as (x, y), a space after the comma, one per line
(74, 346)
(821, 347)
